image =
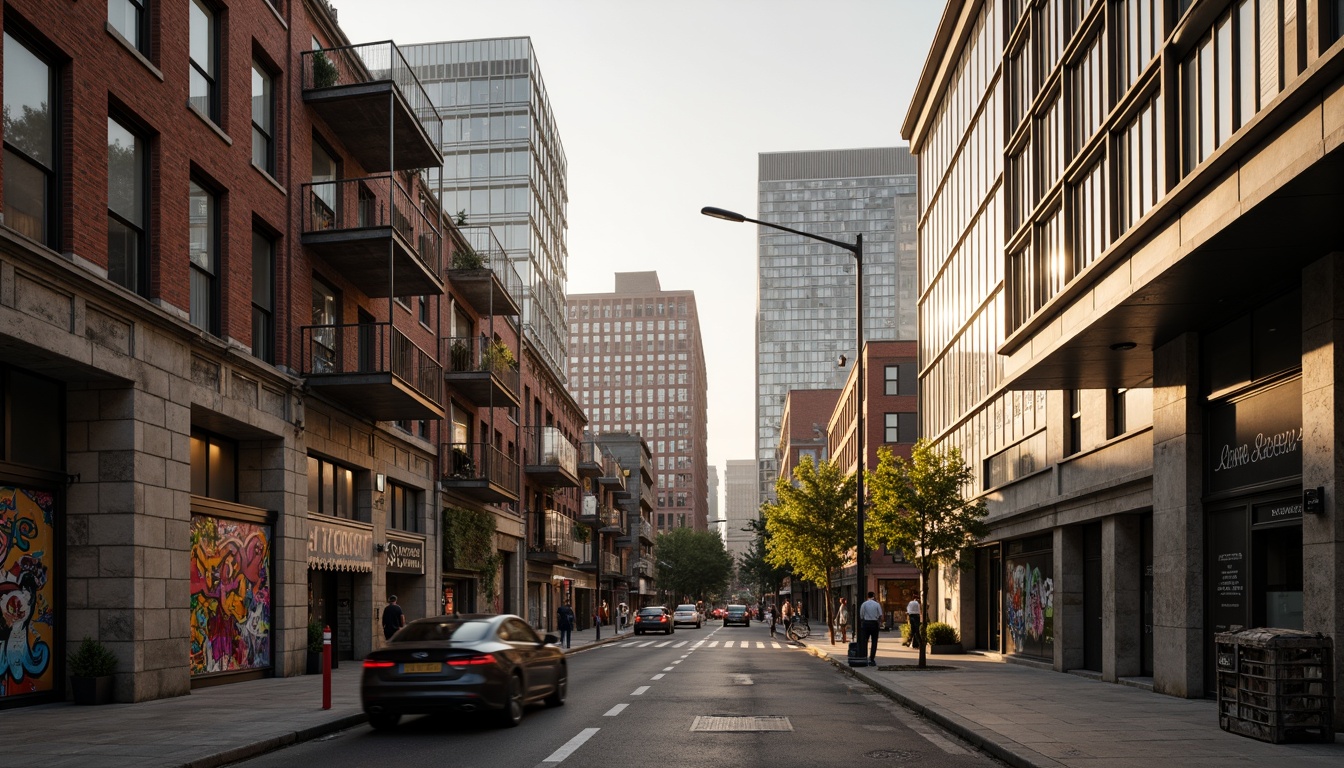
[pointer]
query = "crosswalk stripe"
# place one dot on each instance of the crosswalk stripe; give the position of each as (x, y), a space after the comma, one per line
(665, 642)
(759, 644)
(698, 643)
(683, 642)
(647, 643)
(773, 644)
(728, 644)
(627, 645)
(714, 644)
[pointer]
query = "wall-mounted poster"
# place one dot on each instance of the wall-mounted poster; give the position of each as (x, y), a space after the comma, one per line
(1029, 596)
(230, 595)
(27, 591)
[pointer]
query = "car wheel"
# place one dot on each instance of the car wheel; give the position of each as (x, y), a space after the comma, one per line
(512, 713)
(557, 697)
(384, 722)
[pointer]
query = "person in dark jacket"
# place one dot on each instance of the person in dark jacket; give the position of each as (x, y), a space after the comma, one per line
(565, 623)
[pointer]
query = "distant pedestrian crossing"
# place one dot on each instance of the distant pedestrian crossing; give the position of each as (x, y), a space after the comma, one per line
(725, 645)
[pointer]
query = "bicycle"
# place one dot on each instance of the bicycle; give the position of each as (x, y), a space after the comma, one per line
(798, 629)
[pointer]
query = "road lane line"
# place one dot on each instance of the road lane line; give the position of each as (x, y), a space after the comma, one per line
(669, 669)
(629, 644)
(660, 645)
(616, 710)
(571, 745)
(698, 643)
(647, 643)
(773, 644)
(678, 661)
(683, 642)
(759, 644)
(640, 690)
(728, 644)
(714, 644)
(658, 676)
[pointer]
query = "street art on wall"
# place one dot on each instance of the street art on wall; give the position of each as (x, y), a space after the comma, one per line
(1029, 607)
(27, 591)
(230, 595)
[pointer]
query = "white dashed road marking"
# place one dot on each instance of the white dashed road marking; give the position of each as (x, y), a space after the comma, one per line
(658, 676)
(616, 710)
(571, 745)
(640, 690)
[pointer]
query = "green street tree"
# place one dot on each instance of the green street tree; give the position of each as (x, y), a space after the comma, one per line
(916, 506)
(691, 564)
(814, 525)
(752, 567)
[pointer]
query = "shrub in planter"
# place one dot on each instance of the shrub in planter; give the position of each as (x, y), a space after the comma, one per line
(314, 658)
(943, 638)
(91, 669)
(325, 74)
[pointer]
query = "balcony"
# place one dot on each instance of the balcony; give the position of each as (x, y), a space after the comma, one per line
(644, 567)
(481, 370)
(370, 98)
(373, 233)
(607, 518)
(551, 459)
(611, 562)
(613, 475)
(478, 471)
(372, 369)
(644, 530)
(483, 275)
(556, 542)
(590, 461)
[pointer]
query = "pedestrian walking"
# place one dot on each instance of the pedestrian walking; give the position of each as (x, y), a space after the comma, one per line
(916, 626)
(393, 618)
(786, 615)
(870, 614)
(622, 616)
(772, 617)
(842, 621)
(565, 623)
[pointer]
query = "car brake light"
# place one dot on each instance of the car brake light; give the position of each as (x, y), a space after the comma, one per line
(378, 664)
(471, 661)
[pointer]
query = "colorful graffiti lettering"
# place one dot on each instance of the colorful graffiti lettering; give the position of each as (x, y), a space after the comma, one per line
(1029, 605)
(27, 624)
(230, 595)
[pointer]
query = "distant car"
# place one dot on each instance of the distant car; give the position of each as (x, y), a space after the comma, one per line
(463, 663)
(718, 613)
(654, 618)
(686, 614)
(737, 614)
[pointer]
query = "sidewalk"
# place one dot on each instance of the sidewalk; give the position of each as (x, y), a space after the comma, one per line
(211, 727)
(1045, 719)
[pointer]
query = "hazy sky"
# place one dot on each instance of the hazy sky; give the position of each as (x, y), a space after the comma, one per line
(662, 108)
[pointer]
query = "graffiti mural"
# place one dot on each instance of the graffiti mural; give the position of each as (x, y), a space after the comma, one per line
(27, 610)
(230, 595)
(1029, 606)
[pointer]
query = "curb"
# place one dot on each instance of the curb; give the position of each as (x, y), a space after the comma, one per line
(1021, 757)
(255, 749)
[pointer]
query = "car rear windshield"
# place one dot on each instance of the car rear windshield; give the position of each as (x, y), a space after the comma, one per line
(687, 608)
(651, 612)
(429, 631)
(736, 608)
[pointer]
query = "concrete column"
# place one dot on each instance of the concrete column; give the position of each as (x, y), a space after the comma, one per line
(1121, 624)
(1068, 554)
(1322, 461)
(1178, 520)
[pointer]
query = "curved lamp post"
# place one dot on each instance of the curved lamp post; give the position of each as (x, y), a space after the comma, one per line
(855, 249)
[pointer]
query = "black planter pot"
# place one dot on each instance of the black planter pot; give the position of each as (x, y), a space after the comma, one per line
(314, 663)
(92, 690)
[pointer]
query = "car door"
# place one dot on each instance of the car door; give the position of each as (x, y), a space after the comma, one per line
(538, 672)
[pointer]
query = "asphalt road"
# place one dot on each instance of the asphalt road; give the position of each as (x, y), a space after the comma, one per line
(717, 696)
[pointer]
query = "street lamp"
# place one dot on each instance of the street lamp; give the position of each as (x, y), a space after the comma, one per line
(856, 249)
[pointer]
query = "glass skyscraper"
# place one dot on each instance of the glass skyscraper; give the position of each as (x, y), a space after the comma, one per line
(504, 166)
(805, 305)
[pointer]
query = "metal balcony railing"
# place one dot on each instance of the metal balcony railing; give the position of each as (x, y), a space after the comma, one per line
(548, 446)
(370, 348)
(370, 202)
(371, 63)
(557, 536)
(487, 252)
(474, 354)
(477, 461)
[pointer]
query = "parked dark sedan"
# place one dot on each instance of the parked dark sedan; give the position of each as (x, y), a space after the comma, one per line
(463, 663)
(654, 618)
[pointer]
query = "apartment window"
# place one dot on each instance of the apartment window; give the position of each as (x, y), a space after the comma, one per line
(1139, 177)
(127, 182)
(424, 310)
(203, 217)
(1091, 214)
(204, 50)
(263, 297)
(326, 316)
(323, 214)
(331, 489)
(214, 466)
(403, 511)
(898, 379)
(131, 21)
(31, 120)
(899, 428)
(1073, 400)
(1136, 28)
(263, 120)
(1117, 411)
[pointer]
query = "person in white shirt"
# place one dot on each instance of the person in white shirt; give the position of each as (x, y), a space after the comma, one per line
(912, 611)
(870, 614)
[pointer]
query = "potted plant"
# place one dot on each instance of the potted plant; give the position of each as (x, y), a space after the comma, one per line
(942, 638)
(324, 71)
(497, 357)
(314, 647)
(91, 669)
(467, 258)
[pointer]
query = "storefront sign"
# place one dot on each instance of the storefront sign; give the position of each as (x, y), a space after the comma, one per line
(1276, 512)
(1228, 570)
(339, 545)
(405, 555)
(1256, 439)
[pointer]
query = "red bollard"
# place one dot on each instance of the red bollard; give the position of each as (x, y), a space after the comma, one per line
(326, 667)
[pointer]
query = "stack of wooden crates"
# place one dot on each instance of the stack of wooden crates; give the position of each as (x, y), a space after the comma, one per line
(1276, 685)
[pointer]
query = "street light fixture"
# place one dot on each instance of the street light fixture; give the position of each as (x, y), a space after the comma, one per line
(856, 250)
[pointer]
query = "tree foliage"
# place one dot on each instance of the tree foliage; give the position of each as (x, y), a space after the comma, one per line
(692, 564)
(753, 570)
(814, 525)
(916, 506)
(469, 544)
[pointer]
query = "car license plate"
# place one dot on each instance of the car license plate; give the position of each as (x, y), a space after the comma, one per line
(421, 668)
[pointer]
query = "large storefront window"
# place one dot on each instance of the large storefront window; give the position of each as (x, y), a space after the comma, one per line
(231, 594)
(28, 607)
(1029, 596)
